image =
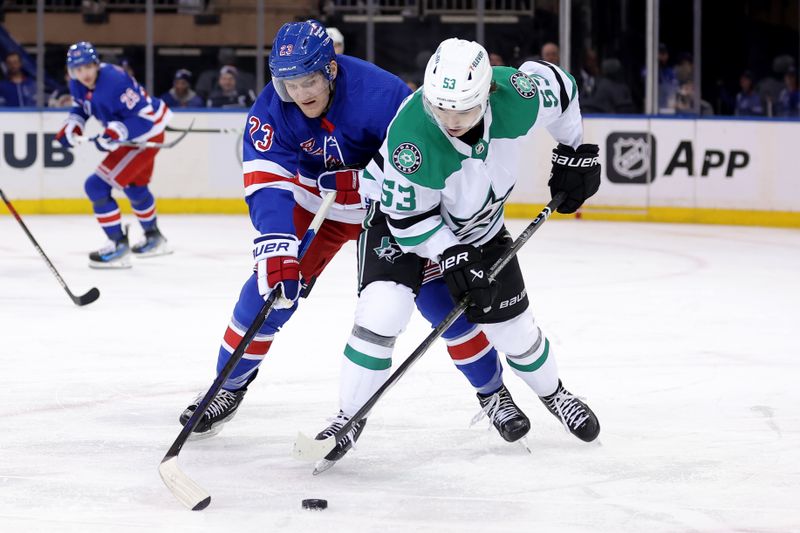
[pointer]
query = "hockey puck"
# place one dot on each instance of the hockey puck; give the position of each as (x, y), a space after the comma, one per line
(315, 505)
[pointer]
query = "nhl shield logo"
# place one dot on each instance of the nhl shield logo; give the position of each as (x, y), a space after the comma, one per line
(631, 157)
(407, 158)
(523, 84)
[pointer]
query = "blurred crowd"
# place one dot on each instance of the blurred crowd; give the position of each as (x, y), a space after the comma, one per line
(605, 86)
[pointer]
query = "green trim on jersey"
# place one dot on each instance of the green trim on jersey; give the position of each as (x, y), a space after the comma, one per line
(437, 158)
(513, 115)
(536, 364)
(418, 239)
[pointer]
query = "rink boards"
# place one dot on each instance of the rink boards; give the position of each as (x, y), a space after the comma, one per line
(659, 169)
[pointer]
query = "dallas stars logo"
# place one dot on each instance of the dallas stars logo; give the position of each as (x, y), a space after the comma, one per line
(407, 158)
(487, 215)
(523, 85)
(388, 250)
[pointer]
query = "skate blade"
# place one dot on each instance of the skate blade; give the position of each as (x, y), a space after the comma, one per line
(322, 465)
(523, 442)
(194, 436)
(118, 264)
(155, 252)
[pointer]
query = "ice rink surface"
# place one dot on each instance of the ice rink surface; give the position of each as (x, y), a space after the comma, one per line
(682, 338)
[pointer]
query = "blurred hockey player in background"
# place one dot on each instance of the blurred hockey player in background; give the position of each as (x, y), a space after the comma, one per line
(127, 113)
(320, 118)
(442, 177)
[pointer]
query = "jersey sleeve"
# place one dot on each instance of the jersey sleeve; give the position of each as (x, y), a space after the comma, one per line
(137, 117)
(413, 210)
(269, 163)
(77, 112)
(559, 109)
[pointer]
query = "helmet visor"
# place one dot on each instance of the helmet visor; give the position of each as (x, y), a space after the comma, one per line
(455, 120)
(303, 88)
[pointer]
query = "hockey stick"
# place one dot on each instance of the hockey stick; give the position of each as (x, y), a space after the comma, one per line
(148, 144)
(205, 130)
(182, 486)
(84, 299)
(309, 449)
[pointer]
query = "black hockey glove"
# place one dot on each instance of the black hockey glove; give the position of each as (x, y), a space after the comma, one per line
(576, 172)
(464, 274)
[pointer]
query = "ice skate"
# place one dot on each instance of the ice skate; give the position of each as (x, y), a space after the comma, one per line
(154, 244)
(576, 416)
(220, 411)
(344, 444)
(507, 418)
(115, 254)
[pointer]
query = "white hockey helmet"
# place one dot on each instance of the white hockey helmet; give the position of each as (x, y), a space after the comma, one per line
(457, 82)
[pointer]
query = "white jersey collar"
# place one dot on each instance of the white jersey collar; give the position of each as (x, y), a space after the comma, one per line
(463, 148)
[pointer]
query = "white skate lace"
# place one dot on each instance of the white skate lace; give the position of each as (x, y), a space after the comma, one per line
(497, 410)
(569, 410)
(337, 422)
(222, 401)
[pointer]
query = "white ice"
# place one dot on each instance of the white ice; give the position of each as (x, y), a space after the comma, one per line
(682, 338)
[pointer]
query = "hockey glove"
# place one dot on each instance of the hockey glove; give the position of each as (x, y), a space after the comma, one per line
(575, 172)
(115, 131)
(71, 133)
(276, 266)
(344, 183)
(464, 274)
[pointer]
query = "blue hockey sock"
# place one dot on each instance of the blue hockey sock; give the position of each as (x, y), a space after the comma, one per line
(105, 207)
(143, 204)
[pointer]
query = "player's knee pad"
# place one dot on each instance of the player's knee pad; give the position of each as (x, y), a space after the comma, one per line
(515, 336)
(138, 195)
(97, 190)
(384, 308)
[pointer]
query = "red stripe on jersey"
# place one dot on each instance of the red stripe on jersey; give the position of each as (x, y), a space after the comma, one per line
(233, 339)
(256, 177)
(470, 348)
(108, 218)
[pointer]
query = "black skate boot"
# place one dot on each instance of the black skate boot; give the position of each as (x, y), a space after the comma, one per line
(153, 244)
(220, 411)
(508, 419)
(576, 416)
(344, 444)
(115, 254)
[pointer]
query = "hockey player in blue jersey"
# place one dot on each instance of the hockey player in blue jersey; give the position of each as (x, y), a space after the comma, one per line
(321, 116)
(128, 114)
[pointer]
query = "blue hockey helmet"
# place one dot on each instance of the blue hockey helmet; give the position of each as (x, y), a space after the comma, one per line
(81, 53)
(300, 49)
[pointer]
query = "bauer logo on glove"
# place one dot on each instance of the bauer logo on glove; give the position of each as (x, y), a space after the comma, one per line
(576, 172)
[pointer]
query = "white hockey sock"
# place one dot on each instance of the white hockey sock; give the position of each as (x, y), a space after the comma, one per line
(537, 366)
(365, 367)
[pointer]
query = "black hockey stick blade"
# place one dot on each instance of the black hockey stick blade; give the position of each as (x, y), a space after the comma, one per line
(308, 449)
(85, 299)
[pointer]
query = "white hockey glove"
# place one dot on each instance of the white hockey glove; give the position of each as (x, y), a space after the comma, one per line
(71, 133)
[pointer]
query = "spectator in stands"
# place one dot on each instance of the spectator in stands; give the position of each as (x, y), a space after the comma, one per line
(338, 40)
(17, 90)
(227, 95)
(611, 94)
(496, 60)
(61, 97)
(748, 101)
(208, 79)
(684, 101)
(789, 99)
(587, 80)
(551, 53)
(770, 87)
(181, 94)
(667, 82)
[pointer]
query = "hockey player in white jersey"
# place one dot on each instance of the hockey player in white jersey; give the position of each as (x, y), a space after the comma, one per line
(442, 177)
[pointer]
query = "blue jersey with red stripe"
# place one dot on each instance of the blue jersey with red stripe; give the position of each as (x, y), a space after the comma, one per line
(285, 151)
(121, 104)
